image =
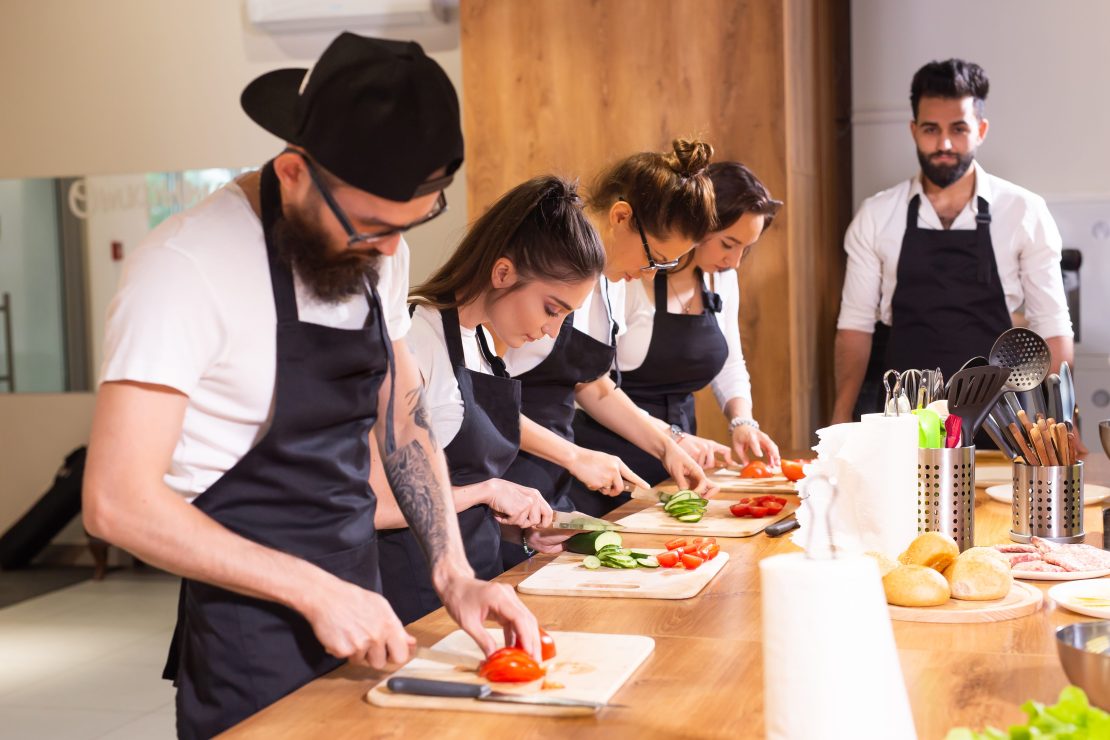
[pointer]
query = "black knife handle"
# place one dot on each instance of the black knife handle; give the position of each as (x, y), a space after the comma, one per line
(780, 528)
(428, 687)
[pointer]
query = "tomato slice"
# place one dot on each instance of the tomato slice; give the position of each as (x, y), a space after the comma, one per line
(690, 549)
(792, 469)
(510, 665)
(547, 645)
(773, 508)
(708, 551)
(667, 559)
(756, 469)
(692, 561)
(746, 500)
(741, 510)
(759, 511)
(675, 544)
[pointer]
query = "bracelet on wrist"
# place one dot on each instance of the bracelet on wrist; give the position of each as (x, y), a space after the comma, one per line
(676, 433)
(742, 422)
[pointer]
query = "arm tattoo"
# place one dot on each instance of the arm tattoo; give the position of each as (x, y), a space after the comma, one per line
(416, 489)
(419, 410)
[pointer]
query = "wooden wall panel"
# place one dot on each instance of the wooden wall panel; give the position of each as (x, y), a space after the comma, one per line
(567, 86)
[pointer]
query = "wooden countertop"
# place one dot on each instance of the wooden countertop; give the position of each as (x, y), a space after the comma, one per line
(705, 678)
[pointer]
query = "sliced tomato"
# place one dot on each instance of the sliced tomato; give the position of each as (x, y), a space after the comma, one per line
(675, 544)
(759, 511)
(792, 469)
(690, 549)
(773, 508)
(746, 500)
(692, 561)
(547, 645)
(667, 559)
(756, 469)
(510, 665)
(741, 510)
(708, 551)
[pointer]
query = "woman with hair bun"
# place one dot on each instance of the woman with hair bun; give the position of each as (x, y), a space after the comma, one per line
(522, 267)
(683, 334)
(648, 209)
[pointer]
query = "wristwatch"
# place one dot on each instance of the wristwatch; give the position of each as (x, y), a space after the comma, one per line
(741, 422)
(528, 551)
(676, 433)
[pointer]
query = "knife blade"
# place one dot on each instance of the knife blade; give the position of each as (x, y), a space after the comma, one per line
(482, 692)
(576, 520)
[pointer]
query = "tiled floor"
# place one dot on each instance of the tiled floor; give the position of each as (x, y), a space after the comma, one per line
(86, 661)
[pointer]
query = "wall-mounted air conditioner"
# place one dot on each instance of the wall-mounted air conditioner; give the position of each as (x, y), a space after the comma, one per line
(300, 16)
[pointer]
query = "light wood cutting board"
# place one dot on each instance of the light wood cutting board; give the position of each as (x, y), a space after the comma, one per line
(1022, 600)
(717, 522)
(590, 666)
(566, 576)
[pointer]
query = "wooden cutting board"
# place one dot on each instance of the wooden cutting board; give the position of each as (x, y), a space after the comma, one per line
(566, 576)
(717, 522)
(590, 666)
(1022, 600)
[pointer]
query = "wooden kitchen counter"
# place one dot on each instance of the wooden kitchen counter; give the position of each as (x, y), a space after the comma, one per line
(705, 678)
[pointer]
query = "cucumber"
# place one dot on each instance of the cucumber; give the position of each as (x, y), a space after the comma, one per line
(639, 555)
(618, 561)
(589, 543)
(689, 518)
(682, 496)
(591, 562)
(683, 505)
(649, 562)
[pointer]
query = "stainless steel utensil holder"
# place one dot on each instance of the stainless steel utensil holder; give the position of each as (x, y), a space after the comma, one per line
(1048, 503)
(946, 493)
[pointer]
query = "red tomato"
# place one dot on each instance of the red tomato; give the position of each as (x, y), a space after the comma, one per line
(667, 559)
(708, 551)
(746, 500)
(547, 645)
(690, 549)
(773, 508)
(740, 510)
(692, 561)
(756, 469)
(792, 469)
(510, 665)
(759, 511)
(675, 544)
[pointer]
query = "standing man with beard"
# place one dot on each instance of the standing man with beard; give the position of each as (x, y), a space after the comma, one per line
(254, 346)
(941, 261)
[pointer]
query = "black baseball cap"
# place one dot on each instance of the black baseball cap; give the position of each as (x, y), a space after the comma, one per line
(379, 114)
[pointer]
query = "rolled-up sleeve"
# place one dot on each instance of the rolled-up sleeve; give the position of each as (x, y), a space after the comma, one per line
(1042, 284)
(733, 381)
(859, 301)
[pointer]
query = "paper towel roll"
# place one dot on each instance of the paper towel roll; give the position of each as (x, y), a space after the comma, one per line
(874, 463)
(830, 665)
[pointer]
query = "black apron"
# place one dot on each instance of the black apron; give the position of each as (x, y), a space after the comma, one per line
(547, 398)
(685, 354)
(486, 444)
(948, 305)
(303, 489)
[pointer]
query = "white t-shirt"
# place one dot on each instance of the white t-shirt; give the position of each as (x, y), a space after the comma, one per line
(195, 311)
(592, 318)
(639, 313)
(441, 387)
(1026, 245)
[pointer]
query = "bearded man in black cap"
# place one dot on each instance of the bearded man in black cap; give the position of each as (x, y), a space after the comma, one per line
(254, 350)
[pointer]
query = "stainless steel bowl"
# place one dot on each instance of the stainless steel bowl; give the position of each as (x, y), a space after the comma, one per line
(1084, 649)
(1104, 435)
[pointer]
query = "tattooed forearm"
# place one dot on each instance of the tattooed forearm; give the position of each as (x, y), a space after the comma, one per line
(414, 484)
(418, 407)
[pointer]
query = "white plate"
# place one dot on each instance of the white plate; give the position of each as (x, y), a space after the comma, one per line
(1092, 493)
(1071, 575)
(1066, 595)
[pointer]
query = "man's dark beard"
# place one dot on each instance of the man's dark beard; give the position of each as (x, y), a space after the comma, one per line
(331, 278)
(943, 175)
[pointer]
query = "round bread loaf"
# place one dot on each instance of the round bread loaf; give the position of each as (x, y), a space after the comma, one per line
(885, 564)
(934, 550)
(978, 578)
(915, 585)
(985, 552)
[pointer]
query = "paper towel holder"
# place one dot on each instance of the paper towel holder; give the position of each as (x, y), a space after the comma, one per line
(824, 485)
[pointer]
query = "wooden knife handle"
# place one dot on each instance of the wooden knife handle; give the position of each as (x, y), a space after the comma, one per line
(1026, 451)
(1049, 442)
(1024, 419)
(1060, 434)
(1038, 444)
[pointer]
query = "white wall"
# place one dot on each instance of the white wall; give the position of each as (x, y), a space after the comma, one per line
(1049, 66)
(124, 87)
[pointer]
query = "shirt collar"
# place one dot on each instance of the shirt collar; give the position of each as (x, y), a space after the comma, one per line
(982, 185)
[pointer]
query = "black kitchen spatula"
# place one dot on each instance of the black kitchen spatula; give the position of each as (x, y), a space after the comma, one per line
(972, 393)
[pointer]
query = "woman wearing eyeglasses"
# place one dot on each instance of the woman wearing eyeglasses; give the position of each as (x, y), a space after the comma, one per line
(648, 209)
(529, 261)
(683, 334)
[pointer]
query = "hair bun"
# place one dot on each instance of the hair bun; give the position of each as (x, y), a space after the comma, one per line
(691, 156)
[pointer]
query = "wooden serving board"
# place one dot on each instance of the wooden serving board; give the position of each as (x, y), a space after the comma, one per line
(589, 666)
(566, 576)
(717, 522)
(1022, 600)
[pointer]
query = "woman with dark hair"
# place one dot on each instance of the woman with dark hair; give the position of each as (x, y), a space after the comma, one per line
(683, 334)
(527, 263)
(649, 209)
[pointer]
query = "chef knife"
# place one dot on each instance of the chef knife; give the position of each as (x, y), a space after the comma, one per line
(782, 527)
(576, 520)
(482, 692)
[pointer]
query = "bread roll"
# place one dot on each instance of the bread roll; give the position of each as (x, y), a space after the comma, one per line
(985, 552)
(885, 564)
(934, 550)
(915, 585)
(978, 578)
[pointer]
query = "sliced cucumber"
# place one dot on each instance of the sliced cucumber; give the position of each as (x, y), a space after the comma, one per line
(589, 543)
(682, 496)
(689, 518)
(639, 555)
(618, 561)
(591, 562)
(684, 507)
(649, 562)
